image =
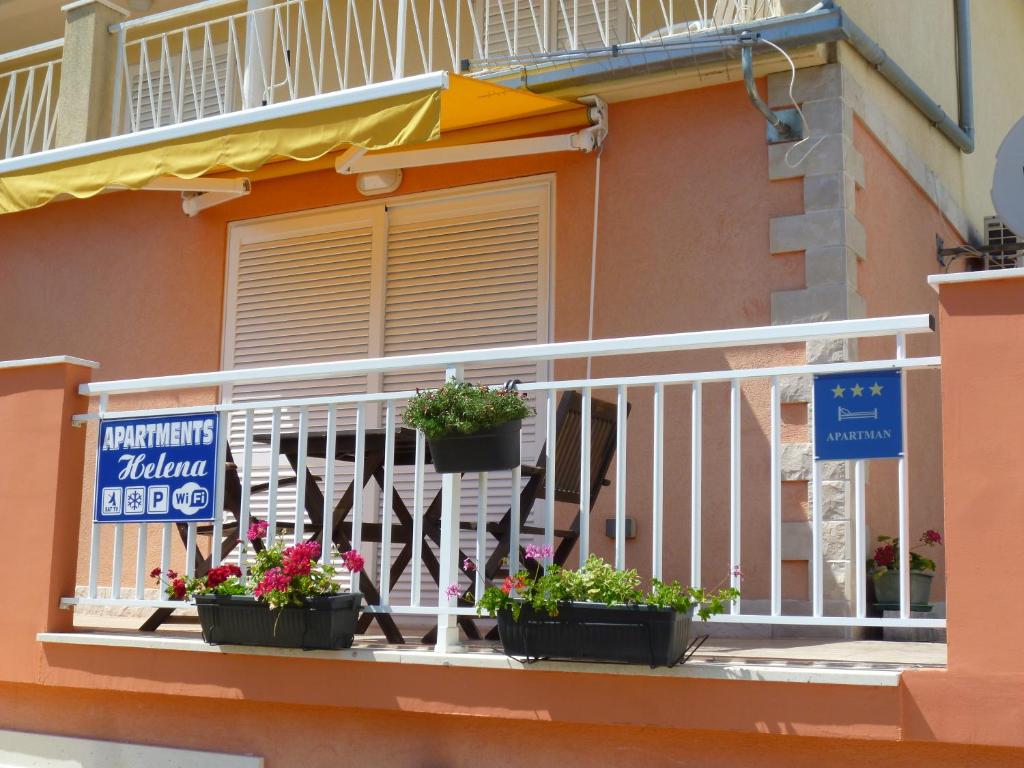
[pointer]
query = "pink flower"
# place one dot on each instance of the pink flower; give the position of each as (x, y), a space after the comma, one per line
(452, 590)
(737, 572)
(534, 552)
(352, 561)
(273, 580)
(257, 530)
(468, 565)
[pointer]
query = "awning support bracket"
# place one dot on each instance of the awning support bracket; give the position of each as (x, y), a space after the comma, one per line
(356, 161)
(199, 194)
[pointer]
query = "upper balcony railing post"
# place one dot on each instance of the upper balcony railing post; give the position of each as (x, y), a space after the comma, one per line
(86, 100)
(259, 33)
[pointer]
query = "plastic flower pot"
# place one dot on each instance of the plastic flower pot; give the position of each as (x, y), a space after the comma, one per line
(485, 451)
(887, 588)
(634, 634)
(326, 622)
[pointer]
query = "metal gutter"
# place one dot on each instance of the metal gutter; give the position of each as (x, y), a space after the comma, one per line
(829, 25)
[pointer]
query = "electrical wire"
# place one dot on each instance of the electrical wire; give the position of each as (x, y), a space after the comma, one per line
(799, 111)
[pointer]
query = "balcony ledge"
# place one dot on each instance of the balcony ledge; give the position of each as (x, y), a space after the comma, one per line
(879, 663)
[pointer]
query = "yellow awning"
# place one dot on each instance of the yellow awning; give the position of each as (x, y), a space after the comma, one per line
(438, 107)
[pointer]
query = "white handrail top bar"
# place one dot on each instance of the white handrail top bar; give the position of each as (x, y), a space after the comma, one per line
(30, 362)
(174, 13)
(668, 342)
(32, 50)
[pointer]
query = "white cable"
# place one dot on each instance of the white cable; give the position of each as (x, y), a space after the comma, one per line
(803, 119)
(593, 251)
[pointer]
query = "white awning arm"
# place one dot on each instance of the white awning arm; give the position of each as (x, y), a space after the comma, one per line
(585, 140)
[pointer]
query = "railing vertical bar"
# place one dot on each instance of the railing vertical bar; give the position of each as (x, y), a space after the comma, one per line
(190, 551)
(115, 575)
(621, 465)
(904, 489)
(120, 71)
(481, 535)
(386, 503)
(817, 585)
(96, 529)
(300, 475)
(417, 519)
(275, 460)
(327, 531)
(585, 476)
(218, 501)
(165, 546)
(140, 563)
(243, 515)
(359, 469)
(658, 490)
(860, 546)
(451, 506)
(735, 501)
(776, 496)
(551, 452)
(696, 463)
(515, 521)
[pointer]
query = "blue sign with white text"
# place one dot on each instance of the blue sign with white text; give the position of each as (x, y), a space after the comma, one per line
(858, 416)
(157, 469)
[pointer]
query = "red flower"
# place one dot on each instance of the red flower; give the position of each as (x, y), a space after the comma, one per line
(931, 537)
(172, 574)
(178, 585)
(155, 573)
(352, 561)
(885, 556)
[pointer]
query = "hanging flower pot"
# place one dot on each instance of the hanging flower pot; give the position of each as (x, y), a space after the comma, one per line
(470, 427)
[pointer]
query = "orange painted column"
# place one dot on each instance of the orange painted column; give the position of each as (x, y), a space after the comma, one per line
(979, 699)
(41, 460)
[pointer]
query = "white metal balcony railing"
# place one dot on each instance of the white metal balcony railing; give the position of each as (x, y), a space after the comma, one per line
(308, 47)
(28, 99)
(648, 473)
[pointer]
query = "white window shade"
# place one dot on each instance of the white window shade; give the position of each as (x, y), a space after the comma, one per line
(465, 270)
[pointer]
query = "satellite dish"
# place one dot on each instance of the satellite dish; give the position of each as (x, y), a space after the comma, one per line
(1008, 180)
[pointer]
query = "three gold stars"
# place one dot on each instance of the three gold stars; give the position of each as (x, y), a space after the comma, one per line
(857, 390)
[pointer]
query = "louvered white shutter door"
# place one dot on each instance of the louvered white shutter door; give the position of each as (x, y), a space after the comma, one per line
(300, 291)
(468, 272)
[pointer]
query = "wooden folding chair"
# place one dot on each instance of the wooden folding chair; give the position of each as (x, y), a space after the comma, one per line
(568, 423)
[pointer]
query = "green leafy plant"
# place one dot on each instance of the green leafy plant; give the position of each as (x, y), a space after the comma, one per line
(597, 582)
(887, 555)
(462, 408)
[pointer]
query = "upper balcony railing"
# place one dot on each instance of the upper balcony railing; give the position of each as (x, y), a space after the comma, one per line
(699, 442)
(297, 48)
(29, 86)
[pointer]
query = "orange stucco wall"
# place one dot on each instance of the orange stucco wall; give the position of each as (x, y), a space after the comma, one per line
(129, 281)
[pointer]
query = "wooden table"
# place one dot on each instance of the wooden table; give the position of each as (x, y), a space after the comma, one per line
(402, 530)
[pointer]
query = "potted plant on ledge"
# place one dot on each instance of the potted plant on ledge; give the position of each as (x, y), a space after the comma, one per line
(885, 570)
(470, 427)
(597, 613)
(290, 600)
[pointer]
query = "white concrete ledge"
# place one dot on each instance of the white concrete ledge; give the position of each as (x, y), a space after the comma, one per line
(777, 671)
(30, 362)
(984, 276)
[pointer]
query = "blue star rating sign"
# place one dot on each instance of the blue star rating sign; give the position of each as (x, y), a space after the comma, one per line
(858, 416)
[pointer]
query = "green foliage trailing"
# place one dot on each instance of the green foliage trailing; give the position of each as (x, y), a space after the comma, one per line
(461, 408)
(598, 582)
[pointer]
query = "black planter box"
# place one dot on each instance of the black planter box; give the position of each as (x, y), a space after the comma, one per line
(635, 634)
(326, 622)
(486, 451)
